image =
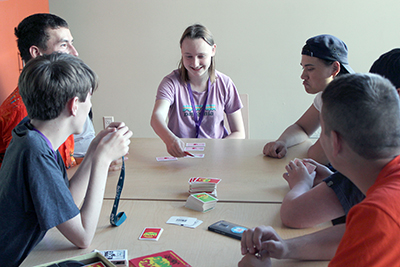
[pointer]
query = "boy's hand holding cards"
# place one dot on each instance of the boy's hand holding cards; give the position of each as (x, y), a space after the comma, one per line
(310, 167)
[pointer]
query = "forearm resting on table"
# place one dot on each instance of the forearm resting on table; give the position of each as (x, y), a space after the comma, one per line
(294, 204)
(302, 208)
(293, 135)
(321, 245)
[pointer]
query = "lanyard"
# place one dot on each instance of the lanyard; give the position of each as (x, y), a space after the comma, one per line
(47, 141)
(117, 220)
(198, 121)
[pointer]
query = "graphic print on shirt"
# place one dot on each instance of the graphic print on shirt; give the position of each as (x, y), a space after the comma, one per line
(188, 110)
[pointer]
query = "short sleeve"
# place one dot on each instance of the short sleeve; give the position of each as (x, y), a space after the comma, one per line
(318, 101)
(369, 239)
(49, 190)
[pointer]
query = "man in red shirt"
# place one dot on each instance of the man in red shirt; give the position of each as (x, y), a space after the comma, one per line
(37, 34)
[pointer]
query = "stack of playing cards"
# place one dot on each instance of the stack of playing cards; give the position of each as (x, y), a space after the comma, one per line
(201, 202)
(203, 185)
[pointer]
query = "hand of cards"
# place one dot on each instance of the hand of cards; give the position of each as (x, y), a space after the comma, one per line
(310, 167)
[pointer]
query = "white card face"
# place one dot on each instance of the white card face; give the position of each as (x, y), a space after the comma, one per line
(166, 158)
(196, 223)
(194, 148)
(195, 156)
(196, 144)
(183, 221)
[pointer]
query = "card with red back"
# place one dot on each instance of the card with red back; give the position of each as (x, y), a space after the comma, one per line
(206, 180)
(151, 233)
(165, 259)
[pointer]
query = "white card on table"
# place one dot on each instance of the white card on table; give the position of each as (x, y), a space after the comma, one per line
(166, 158)
(195, 156)
(194, 148)
(180, 220)
(195, 144)
(196, 223)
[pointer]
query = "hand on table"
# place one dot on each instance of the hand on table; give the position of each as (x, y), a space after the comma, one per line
(250, 260)
(277, 149)
(176, 148)
(263, 240)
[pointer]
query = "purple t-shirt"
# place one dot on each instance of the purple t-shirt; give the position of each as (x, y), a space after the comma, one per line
(222, 98)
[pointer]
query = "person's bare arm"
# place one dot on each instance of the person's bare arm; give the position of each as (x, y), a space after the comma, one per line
(321, 245)
(294, 134)
(175, 146)
(316, 153)
(236, 125)
(89, 181)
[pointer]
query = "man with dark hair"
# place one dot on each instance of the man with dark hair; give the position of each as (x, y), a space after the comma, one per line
(41, 34)
(360, 135)
(35, 193)
(311, 201)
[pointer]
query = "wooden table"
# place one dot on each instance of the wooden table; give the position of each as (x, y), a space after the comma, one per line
(198, 247)
(247, 175)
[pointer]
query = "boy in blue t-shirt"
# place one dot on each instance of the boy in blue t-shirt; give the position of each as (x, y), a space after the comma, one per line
(35, 193)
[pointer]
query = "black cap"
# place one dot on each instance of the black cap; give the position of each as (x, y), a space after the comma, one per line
(388, 66)
(327, 47)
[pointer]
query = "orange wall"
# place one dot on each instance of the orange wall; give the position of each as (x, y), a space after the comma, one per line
(11, 13)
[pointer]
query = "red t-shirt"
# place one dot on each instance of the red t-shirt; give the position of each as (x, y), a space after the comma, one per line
(12, 111)
(373, 226)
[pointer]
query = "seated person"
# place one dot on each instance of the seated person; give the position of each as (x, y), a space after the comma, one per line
(360, 135)
(35, 193)
(310, 202)
(40, 34)
(323, 58)
(36, 35)
(195, 97)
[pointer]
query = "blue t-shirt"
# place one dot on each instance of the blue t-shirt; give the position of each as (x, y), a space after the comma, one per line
(34, 194)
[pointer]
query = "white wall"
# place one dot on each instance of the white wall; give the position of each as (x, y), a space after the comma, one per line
(133, 44)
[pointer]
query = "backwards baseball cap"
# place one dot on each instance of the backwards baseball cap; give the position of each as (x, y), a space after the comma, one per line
(388, 66)
(327, 47)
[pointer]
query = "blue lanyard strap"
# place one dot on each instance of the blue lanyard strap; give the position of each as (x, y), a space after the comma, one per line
(194, 110)
(117, 220)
